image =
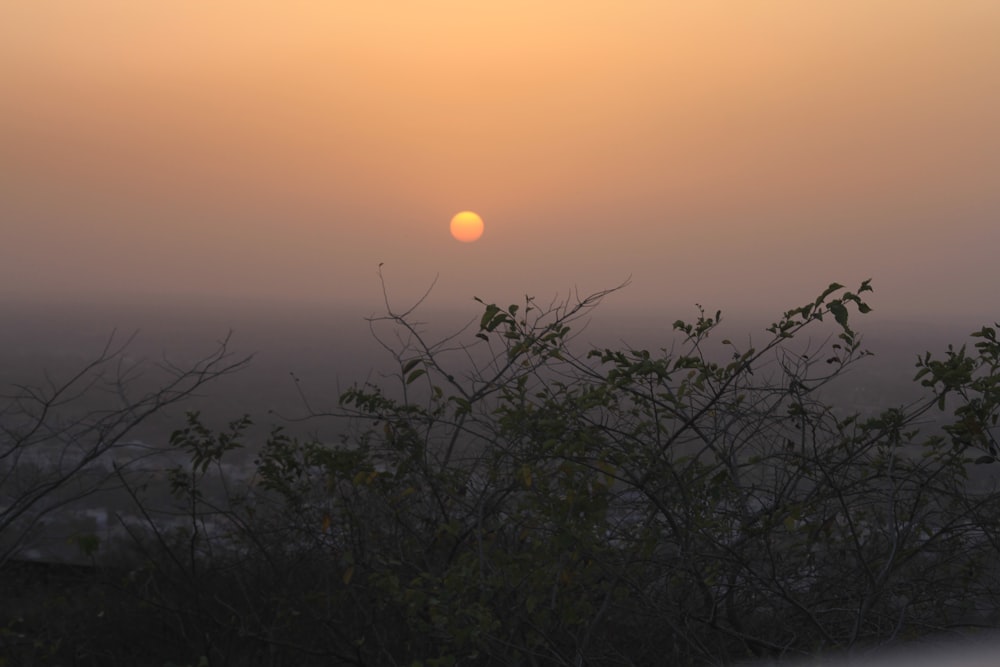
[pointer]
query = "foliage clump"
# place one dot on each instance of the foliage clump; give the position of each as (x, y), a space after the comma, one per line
(698, 504)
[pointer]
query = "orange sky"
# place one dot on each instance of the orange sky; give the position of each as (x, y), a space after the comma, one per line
(736, 154)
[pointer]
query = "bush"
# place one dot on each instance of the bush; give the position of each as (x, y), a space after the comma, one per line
(695, 505)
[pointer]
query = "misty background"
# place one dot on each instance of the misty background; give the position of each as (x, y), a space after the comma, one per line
(737, 156)
(182, 172)
(191, 170)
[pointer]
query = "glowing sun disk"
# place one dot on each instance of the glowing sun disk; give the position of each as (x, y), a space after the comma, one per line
(466, 226)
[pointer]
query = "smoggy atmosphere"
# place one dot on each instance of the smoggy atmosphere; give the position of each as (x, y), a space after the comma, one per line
(251, 414)
(741, 155)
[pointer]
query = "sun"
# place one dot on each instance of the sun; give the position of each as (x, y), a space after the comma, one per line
(467, 226)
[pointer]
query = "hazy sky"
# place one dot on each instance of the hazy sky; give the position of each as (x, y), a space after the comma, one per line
(732, 153)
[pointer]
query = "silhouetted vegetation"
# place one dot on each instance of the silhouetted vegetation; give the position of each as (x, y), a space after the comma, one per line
(505, 499)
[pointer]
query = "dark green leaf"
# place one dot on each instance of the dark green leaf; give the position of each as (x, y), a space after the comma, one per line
(839, 312)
